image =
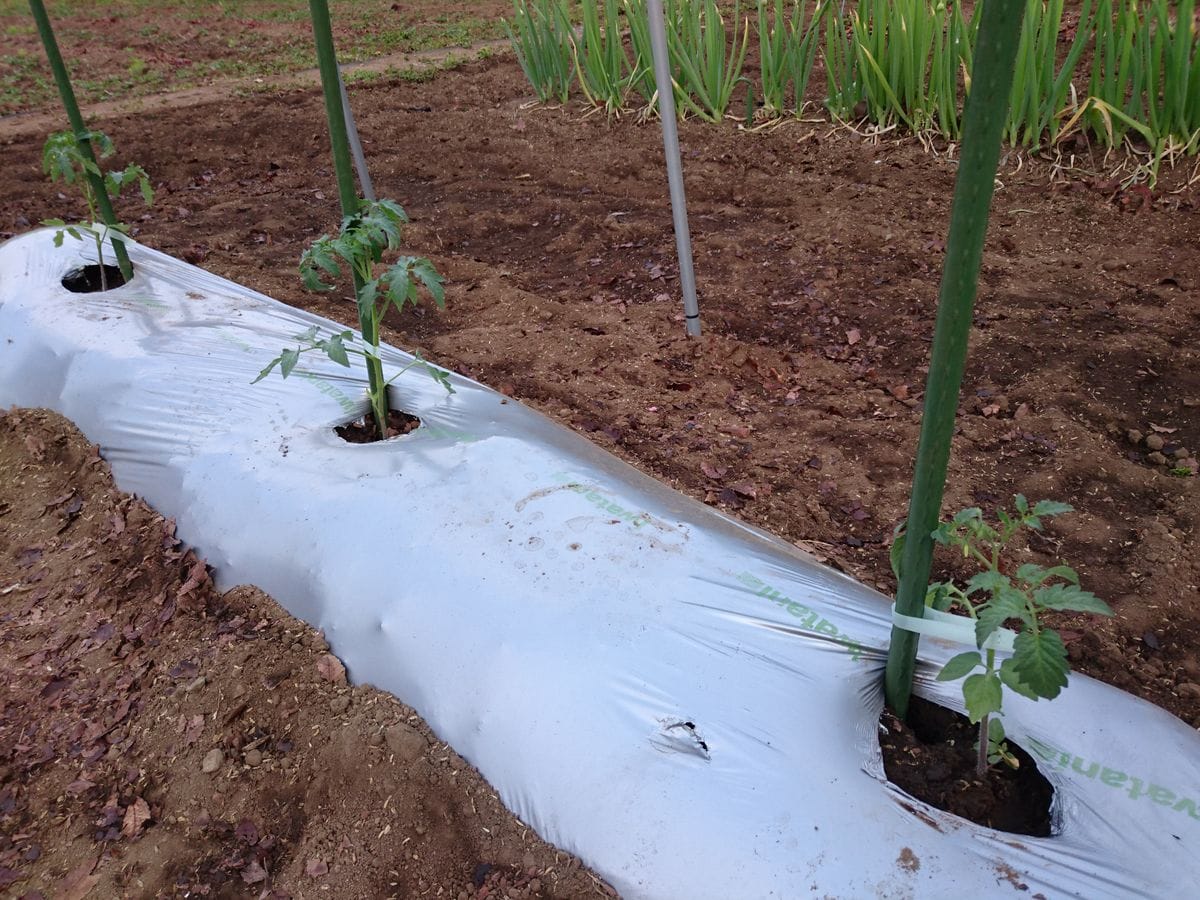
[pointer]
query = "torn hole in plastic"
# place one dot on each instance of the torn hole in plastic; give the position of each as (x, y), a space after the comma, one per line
(681, 736)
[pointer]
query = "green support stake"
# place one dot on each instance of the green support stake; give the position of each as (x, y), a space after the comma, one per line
(82, 135)
(339, 138)
(340, 141)
(983, 123)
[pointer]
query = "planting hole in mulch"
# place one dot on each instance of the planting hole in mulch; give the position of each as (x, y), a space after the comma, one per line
(932, 757)
(87, 280)
(363, 431)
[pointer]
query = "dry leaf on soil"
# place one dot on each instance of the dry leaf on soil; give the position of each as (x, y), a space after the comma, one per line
(254, 873)
(315, 868)
(330, 668)
(79, 786)
(79, 882)
(136, 817)
(193, 730)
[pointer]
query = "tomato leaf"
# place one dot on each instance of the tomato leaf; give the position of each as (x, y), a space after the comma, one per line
(1070, 597)
(287, 361)
(983, 695)
(960, 665)
(1012, 680)
(1007, 603)
(1040, 662)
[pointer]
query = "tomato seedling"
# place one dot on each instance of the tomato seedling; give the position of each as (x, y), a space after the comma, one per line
(360, 244)
(62, 159)
(1038, 666)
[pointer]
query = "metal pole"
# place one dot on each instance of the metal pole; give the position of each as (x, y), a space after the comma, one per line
(82, 135)
(986, 111)
(356, 150)
(666, 112)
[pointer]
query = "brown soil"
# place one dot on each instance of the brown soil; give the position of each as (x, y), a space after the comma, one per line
(932, 756)
(818, 254)
(161, 739)
(365, 431)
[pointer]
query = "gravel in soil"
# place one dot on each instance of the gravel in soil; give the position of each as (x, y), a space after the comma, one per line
(161, 739)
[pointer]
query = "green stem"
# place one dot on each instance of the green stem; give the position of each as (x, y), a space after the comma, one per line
(984, 118)
(981, 761)
(987, 564)
(340, 143)
(377, 386)
(379, 404)
(100, 260)
(82, 135)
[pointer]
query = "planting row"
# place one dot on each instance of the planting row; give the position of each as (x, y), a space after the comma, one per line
(895, 62)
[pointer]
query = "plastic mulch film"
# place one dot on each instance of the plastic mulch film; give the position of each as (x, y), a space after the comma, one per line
(688, 703)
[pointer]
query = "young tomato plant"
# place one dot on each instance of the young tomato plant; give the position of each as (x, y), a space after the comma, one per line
(62, 159)
(1038, 666)
(360, 244)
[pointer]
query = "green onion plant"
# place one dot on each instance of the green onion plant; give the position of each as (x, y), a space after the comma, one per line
(1042, 105)
(787, 46)
(1146, 75)
(905, 63)
(642, 64)
(544, 41)
(710, 60)
(604, 69)
(906, 60)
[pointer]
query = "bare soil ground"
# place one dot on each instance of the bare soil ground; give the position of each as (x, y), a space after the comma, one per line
(818, 255)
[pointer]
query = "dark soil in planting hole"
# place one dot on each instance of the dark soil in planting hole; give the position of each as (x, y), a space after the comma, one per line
(88, 280)
(932, 757)
(364, 431)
